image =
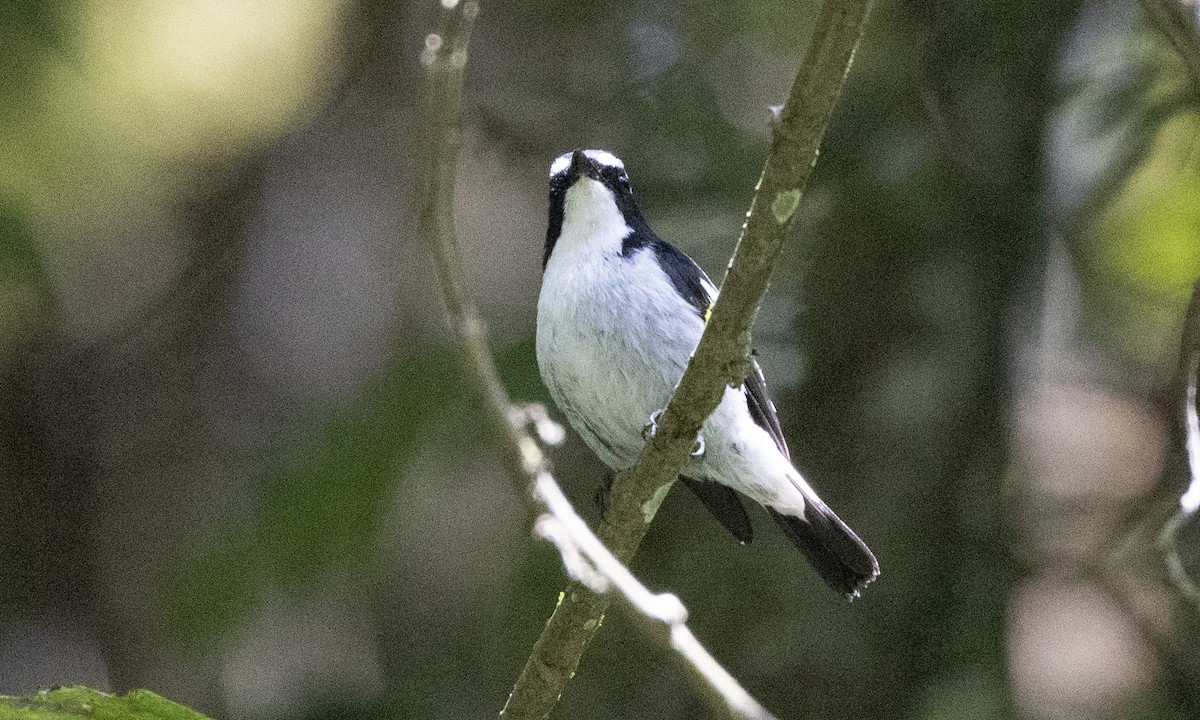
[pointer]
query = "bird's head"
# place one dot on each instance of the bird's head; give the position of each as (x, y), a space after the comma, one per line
(591, 201)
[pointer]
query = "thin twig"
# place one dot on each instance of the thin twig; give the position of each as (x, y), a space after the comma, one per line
(445, 57)
(593, 565)
(722, 358)
(584, 555)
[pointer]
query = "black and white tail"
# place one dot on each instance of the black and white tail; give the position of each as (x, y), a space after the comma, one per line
(830, 546)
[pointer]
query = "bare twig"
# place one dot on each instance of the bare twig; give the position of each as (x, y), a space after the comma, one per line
(584, 555)
(1173, 20)
(445, 57)
(722, 358)
(593, 565)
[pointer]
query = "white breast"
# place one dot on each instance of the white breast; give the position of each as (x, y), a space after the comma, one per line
(613, 338)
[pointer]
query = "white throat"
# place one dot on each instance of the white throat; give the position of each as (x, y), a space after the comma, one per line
(592, 222)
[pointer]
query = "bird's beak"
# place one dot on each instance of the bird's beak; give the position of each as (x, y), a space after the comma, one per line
(581, 166)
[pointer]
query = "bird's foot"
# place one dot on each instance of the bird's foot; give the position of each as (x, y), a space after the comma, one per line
(651, 427)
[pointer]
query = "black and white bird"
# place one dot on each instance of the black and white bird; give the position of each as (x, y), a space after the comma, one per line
(619, 315)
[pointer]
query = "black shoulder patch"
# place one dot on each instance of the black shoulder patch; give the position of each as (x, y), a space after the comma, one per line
(689, 281)
(685, 274)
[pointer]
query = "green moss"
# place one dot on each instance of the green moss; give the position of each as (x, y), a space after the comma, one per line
(82, 702)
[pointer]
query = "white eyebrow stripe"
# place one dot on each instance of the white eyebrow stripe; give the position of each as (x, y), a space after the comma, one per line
(560, 164)
(604, 157)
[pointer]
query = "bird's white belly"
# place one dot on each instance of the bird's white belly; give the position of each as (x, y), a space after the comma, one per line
(612, 342)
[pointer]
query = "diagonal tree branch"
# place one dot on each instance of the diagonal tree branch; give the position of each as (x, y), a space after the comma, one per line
(721, 359)
(663, 617)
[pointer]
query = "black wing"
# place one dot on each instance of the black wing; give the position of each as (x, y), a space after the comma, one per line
(693, 285)
(761, 407)
(691, 282)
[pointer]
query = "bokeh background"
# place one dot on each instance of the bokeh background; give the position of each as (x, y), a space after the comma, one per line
(237, 463)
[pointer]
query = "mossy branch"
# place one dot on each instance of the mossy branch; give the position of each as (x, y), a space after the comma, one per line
(722, 358)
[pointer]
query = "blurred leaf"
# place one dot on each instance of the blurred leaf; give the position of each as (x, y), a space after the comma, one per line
(1145, 241)
(30, 30)
(25, 295)
(1174, 19)
(19, 259)
(83, 702)
(42, 19)
(1180, 539)
(963, 696)
(1154, 243)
